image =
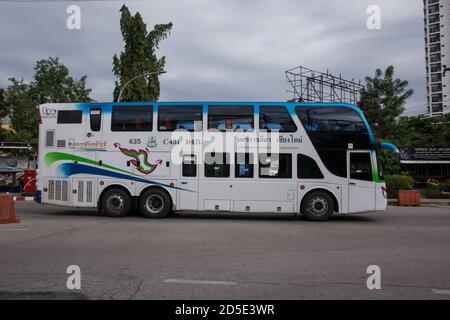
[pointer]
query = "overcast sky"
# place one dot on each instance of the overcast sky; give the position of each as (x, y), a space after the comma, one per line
(221, 49)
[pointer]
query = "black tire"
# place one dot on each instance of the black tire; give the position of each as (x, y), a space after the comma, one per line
(155, 204)
(318, 206)
(116, 203)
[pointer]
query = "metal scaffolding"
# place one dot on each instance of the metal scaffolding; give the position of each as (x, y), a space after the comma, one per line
(306, 85)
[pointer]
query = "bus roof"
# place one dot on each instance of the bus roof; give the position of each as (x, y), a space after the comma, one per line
(215, 102)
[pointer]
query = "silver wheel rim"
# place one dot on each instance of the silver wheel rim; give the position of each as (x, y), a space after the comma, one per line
(154, 203)
(318, 206)
(115, 203)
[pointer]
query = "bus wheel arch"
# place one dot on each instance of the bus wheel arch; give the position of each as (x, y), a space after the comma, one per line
(155, 202)
(324, 199)
(115, 200)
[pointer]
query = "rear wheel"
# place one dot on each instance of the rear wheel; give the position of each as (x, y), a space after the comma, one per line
(318, 206)
(116, 203)
(155, 204)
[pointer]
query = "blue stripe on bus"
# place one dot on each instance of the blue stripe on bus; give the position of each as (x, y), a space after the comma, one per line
(69, 169)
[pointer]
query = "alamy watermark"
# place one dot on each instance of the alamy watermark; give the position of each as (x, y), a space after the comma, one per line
(374, 280)
(374, 18)
(74, 279)
(73, 21)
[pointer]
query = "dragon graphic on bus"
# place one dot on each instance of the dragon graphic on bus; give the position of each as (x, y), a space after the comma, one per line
(140, 159)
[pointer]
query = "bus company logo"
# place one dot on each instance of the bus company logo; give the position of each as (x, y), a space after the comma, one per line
(140, 159)
(47, 112)
(151, 142)
(91, 145)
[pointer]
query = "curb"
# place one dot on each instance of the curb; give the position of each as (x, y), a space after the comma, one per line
(425, 203)
(22, 198)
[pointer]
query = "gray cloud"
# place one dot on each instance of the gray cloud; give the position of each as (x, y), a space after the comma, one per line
(222, 50)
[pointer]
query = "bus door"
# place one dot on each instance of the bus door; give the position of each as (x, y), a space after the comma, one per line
(84, 190)
(361, 187)
(93, 128)
(91, 137)
(188, 192)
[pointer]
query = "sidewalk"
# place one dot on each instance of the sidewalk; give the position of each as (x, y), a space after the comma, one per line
(426, 202)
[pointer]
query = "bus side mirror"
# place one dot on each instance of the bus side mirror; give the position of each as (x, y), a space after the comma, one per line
(389, 146)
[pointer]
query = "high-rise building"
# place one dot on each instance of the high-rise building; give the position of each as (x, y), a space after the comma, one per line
(437, 55)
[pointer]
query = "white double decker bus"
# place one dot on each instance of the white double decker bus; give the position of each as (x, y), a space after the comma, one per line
(314, 159)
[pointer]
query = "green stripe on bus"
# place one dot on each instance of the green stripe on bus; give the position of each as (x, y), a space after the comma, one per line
(52, 157)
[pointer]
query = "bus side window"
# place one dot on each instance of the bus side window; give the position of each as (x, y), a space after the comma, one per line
(307, 168)
(171, 118)
(69, 116)
(360, 166)
(335, 160)
(96, 119)
(217, 165)
(243, 165)
(189, 167)
(225, 118)
(275, 166)
(276, 118)
(132, 118)
(337, 119)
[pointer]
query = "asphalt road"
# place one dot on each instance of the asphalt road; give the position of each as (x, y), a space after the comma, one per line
(225, 257)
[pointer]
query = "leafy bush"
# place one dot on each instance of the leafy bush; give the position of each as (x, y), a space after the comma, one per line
(446, 186)
(433, 189)
(389, 162)
(397, 182)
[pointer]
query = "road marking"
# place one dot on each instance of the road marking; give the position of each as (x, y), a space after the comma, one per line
(440, 291)
(223, 283)
(15, 229)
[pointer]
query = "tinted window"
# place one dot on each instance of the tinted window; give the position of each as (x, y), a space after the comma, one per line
(171, 118)
(243, 167)
(307, 168)
(226, 118)
(335, 160)
(275, 166)
(95, 119)
(217, 165)
(69, 116)
(132, 118)
(327, 119)
(360, 166)
(276, 118)
(189, 166)
(380, 167)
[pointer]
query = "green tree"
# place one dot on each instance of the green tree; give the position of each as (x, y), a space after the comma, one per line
(4, 112)
(382, 101)
(52, 83)
(3, 108)
(139, 58)
(23, 115)
(423, 131)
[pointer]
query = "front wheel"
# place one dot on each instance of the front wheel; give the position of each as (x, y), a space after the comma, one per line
(318, 206)
(116, 203)
(155, 204)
